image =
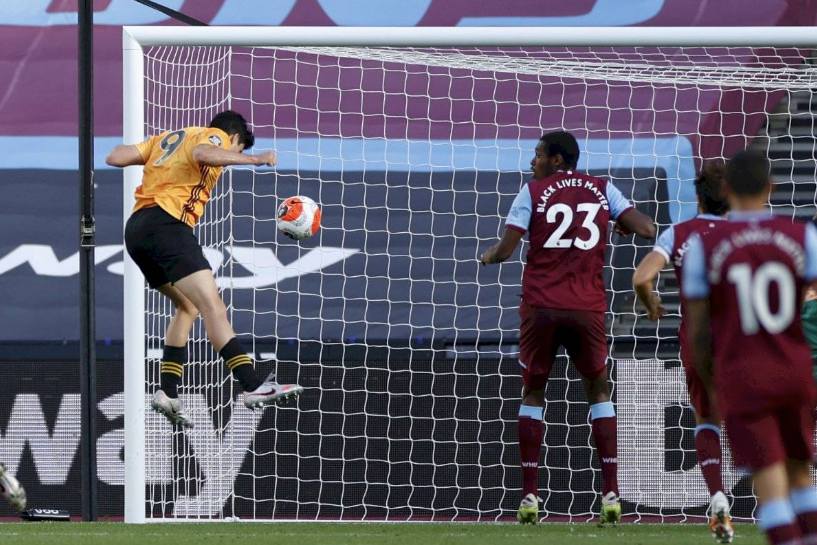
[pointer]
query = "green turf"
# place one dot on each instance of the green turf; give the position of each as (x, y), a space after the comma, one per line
(114, 533)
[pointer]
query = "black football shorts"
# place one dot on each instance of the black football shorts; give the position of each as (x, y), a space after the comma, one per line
(164, 248)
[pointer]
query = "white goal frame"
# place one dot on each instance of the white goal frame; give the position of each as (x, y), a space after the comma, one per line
(136, 38)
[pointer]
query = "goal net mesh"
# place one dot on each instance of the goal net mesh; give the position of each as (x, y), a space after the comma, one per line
(406, 346)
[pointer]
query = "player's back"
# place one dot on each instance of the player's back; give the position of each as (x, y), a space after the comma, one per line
(568, 236)
(674, 245)
(172, 179)
(682, 231)
(756, 267)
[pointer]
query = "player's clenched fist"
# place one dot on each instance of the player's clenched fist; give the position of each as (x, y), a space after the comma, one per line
(267, 158)
(655, 309)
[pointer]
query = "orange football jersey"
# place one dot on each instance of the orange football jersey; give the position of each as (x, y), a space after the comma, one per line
(174, 181)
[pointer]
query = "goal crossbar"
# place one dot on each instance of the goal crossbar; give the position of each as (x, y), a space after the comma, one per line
(472, 36)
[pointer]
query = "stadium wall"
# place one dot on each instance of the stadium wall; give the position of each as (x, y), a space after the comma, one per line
(38, 40)
(423, 433)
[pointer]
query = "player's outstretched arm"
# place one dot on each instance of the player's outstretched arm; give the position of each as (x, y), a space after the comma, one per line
(214, 156)
(633, 221)
(124, 156)
(643, 280)
(503, 249)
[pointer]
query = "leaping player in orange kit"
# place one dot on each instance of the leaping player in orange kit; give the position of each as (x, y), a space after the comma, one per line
(181, 169)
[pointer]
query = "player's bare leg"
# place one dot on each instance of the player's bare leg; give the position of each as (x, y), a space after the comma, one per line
(11, 489)
(200, 288)
(708, 449)
(166, 399)
(178, 330)
(604, 427)
(775, 514)
(531, 432)
(803, 498)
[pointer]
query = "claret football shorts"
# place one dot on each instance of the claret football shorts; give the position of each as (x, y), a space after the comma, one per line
(164, 248)
(698, 395)
(766, 438)
(541, 333)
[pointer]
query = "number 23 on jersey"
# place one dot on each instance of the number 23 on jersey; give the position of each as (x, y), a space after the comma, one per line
(564, 216)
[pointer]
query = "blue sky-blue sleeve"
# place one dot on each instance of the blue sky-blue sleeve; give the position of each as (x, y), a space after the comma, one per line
(521, 210)
(618, 202)
(695, 281)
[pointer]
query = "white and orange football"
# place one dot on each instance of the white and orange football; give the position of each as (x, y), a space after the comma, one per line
(299, 217)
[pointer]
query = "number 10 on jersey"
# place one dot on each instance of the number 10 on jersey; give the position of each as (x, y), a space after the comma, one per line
(752, 292)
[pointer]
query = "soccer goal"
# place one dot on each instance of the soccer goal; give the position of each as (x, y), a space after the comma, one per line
(414, 142)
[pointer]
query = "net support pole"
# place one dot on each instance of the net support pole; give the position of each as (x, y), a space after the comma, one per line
(87, 334)
(134, 293)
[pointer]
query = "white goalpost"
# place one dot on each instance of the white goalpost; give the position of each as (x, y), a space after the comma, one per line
(414, 142)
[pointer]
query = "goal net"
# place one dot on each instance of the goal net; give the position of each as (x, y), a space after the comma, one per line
(406, 347)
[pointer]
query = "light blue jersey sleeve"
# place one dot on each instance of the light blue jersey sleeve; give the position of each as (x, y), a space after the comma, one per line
(811, 252)
(695, 281)
(521, 210)
(665, 243)
(618, 202)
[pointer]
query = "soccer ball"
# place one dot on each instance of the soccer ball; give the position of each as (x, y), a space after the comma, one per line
(299, 217)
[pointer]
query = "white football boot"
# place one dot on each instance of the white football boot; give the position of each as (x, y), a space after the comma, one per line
(11, 489)
(171, 408)
(610, 510)
(270, 392)
(528, 512)
(720, 523)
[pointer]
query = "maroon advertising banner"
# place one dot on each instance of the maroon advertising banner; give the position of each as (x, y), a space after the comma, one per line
(38, 38)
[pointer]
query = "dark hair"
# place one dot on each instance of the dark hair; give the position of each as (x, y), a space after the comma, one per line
(564, 144)
(747, 173)
(709, 186)
(234, 123)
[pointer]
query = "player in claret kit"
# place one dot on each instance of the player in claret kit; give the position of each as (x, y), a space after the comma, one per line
(566, 214)
(671, 247)
(181, 169)
(744, 281)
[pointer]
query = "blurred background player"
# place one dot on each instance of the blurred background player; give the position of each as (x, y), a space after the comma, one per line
(809, 316)
(566, 214)
(671, 247)
(12, 490)
(744, 280)
(181, 169)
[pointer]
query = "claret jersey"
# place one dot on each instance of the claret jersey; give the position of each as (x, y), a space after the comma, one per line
(566, 216)
(673, 245)
(753, 268)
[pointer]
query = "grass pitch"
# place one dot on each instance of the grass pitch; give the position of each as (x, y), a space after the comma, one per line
(116, 533)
